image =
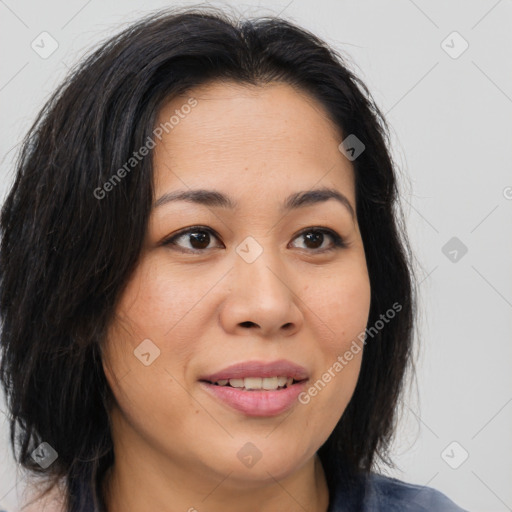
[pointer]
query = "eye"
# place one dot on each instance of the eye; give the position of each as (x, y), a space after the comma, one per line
(315, 237)
(200, 237)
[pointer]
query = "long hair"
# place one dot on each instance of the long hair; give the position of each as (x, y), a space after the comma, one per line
(66, 255)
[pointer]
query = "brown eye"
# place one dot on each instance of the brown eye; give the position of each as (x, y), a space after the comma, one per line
(197, 237)
(314, 239)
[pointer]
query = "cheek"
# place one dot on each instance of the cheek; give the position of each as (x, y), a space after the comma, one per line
(157, 314)
(160, 303)
(340, 309)
(341, 306)
(147, 396)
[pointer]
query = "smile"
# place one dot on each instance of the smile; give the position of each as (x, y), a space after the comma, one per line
(258, 383)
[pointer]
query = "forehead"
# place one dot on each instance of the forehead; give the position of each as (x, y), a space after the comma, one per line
(263, 139)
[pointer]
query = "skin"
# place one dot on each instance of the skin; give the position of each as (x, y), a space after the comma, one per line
(176, 446)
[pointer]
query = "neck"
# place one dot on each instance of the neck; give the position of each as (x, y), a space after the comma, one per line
(131, 487)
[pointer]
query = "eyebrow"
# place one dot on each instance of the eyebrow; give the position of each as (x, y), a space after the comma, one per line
(213, 198)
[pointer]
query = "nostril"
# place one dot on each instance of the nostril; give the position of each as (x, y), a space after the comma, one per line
(247, 324)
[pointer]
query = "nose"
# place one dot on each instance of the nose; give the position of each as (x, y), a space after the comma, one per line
(261, 299)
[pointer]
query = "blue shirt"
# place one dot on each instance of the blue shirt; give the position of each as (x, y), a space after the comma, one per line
(378, 493)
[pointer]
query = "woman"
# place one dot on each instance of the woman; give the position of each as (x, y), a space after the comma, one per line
(207, 295)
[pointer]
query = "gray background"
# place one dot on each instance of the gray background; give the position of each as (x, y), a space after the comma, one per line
(452, 137)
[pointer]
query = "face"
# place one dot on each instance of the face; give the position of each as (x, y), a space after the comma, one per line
(252, 292)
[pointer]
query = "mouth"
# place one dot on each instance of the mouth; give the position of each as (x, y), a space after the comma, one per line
(257, 383)
(258, 374)
(256, 388)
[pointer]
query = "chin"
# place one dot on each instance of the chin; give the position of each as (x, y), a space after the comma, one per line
(260, 461)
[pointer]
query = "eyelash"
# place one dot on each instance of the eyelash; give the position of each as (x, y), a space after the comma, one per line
(337, 241)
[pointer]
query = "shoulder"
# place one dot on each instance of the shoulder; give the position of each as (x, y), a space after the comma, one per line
(388, 492)
(379, 493)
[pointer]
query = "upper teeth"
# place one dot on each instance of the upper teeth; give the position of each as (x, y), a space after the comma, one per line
(268, 383)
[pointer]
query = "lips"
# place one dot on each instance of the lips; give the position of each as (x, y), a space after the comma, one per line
(256, 388)
(259, 369)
